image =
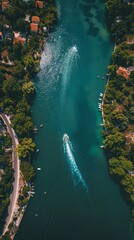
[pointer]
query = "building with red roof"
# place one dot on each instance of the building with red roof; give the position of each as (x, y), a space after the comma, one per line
(34, 27)
(1, 36)
(123, 72)
(20, 40)
(35, 19)
(4, 5)
(39, 4)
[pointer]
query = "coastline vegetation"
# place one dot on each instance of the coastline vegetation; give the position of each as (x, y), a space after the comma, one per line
(118, 102)
(20, 52)
(6, 171)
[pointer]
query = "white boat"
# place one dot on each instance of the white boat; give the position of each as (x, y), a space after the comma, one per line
(41, 125)
(39, 168)
(35, 129)
(101, 94)
(101, 146)
(65, 138)
(45, 192)
(32, 192)
(37, 150)
(102, 124)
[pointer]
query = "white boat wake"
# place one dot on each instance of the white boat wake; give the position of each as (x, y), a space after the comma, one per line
(69, 61)
(76, 174)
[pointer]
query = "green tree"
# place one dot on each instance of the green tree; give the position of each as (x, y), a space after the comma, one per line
(115, 168)
(22, 124)
(131, 60)
(128, 183)
(131, 115)
(20, 24)
(114, 143)
(120, 166)
(29, 89)
(25, 148)
(112, 70)
(12, 88)
(27, 171)
(131, 154)
(23, 106)
(119, 120)
(30, 64)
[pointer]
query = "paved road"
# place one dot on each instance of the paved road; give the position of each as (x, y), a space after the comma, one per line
(16, 167)
(131, 68)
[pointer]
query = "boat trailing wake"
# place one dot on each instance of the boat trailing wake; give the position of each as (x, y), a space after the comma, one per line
(76, 174)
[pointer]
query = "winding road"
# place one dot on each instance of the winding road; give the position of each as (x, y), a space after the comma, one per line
(16, 167)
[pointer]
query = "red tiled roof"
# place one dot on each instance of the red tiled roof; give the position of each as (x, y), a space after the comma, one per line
(123, 72)
(19, 40)
(35, 19)
(4, 53)
(1, 36)
(34, 27)
(39, 4)
(5, 5)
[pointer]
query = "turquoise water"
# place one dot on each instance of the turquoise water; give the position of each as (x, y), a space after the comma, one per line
(75, 198)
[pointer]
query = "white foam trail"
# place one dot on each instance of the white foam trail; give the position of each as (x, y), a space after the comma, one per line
(69, 61)
(77, 177)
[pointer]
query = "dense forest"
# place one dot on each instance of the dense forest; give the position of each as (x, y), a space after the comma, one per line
(118, 102)
(24, 26)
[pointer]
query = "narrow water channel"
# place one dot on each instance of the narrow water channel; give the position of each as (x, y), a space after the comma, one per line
(75, 198)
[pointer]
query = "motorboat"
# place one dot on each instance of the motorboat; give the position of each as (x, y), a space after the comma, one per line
(32, 192)
(37, 150)
(41, 125)
(39, 169)
(65, 138)
(102, 124)
(35, 129)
